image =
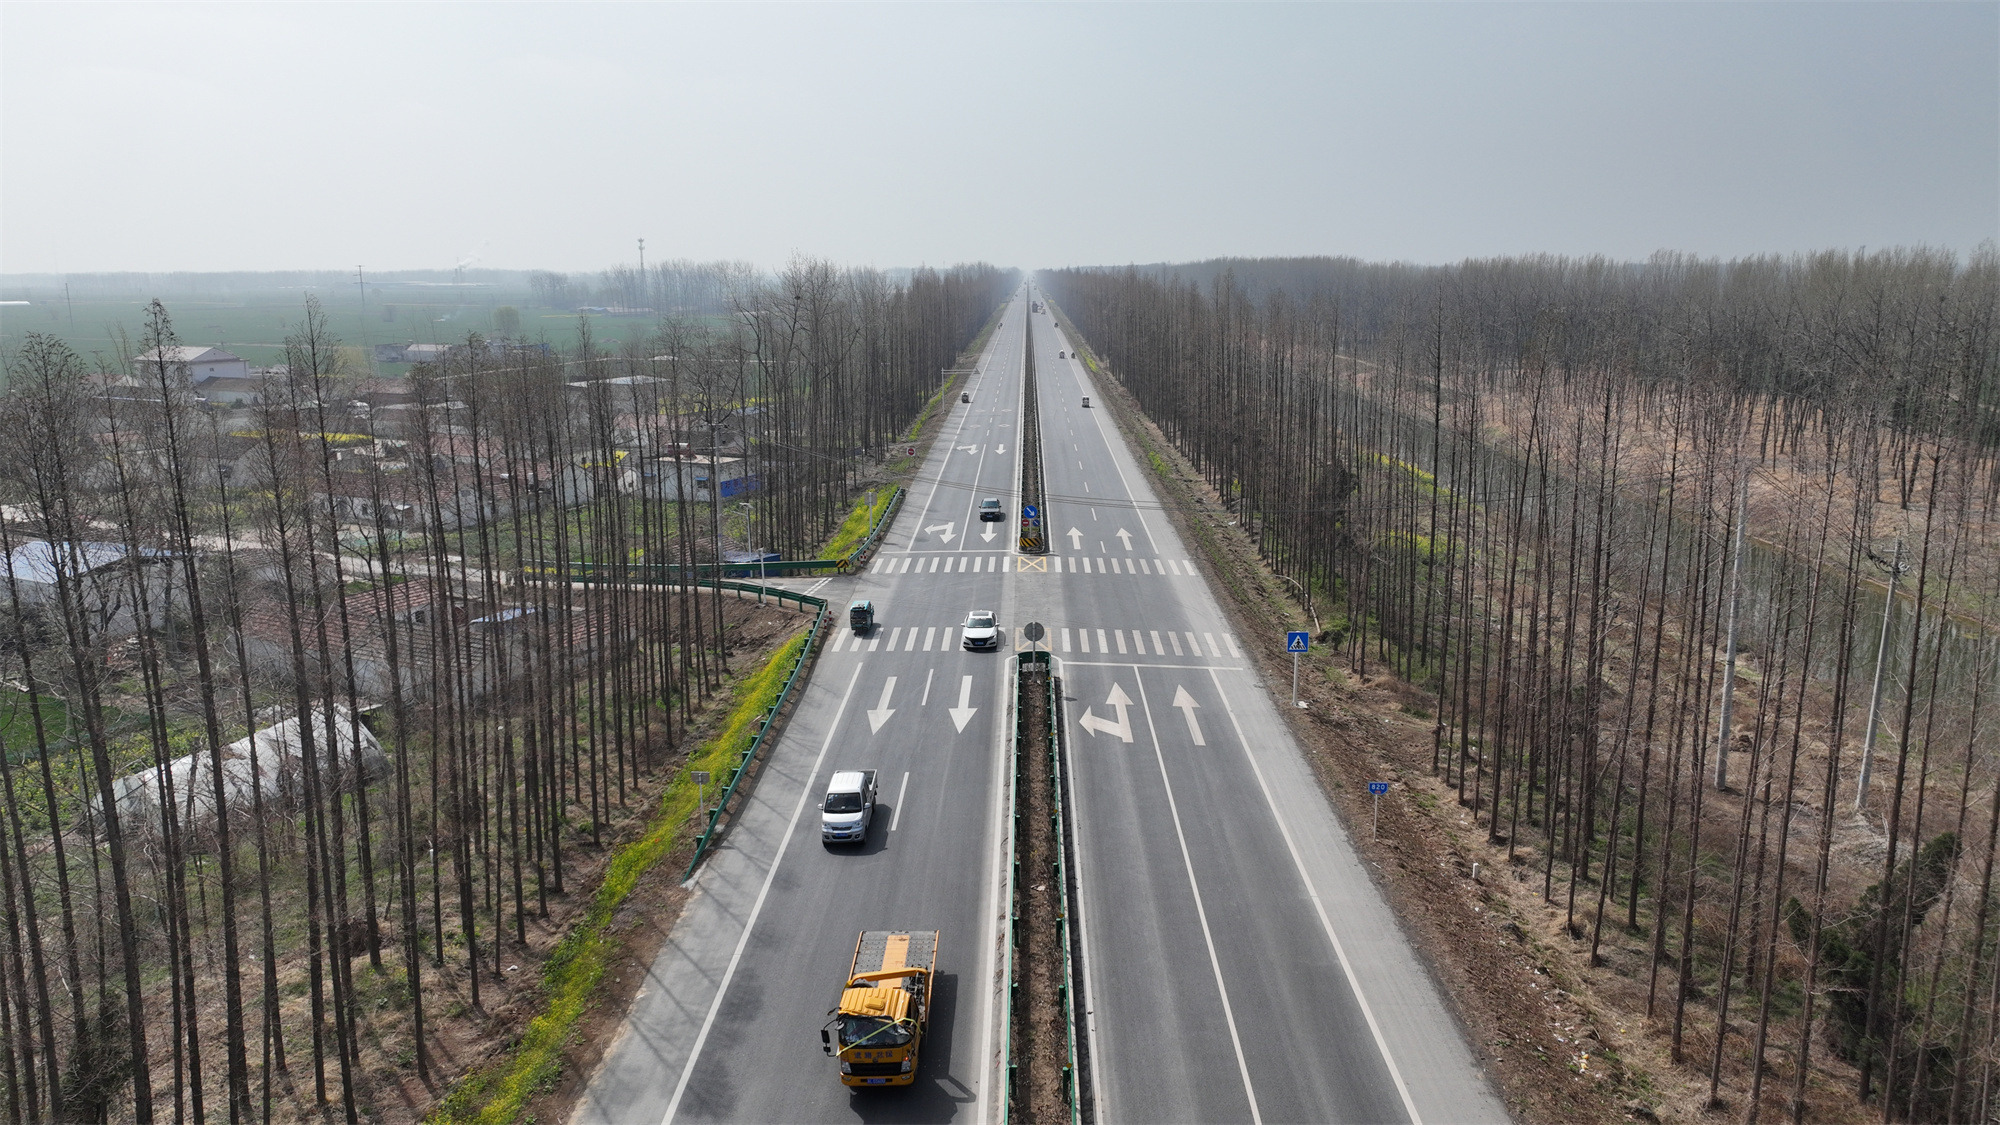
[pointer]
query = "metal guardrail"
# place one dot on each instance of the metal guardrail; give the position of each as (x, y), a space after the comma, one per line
(1072, 1075)
(1072, 1072)
(1011, 971)
(749, 753)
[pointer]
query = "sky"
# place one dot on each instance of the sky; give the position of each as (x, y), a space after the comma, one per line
(164, 137)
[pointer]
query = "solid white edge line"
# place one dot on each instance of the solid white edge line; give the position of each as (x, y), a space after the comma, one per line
(1201, 912)
(1099, 1100)
(749, 924)
(1312, 892)
(1002, 833)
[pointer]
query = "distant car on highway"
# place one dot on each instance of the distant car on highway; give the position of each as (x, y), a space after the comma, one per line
(989, 509)
(982, 631)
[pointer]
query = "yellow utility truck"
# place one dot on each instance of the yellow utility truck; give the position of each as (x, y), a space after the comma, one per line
(878, 1029)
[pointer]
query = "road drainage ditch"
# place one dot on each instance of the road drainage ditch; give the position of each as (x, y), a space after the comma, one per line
(1045, 1058)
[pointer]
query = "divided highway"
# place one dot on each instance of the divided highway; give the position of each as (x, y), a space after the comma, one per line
(1240, 965)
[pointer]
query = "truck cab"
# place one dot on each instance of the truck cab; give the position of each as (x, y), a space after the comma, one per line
(861, 616)
(848, 807)
(884, 1008)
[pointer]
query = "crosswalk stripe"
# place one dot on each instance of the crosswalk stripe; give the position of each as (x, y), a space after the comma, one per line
(1129, 642)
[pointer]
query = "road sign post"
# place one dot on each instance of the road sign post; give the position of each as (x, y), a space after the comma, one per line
(700, 780)
(1375, 790)
(1034, 632)
(1296, 643)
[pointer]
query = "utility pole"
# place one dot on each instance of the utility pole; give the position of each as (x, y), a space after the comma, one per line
(643, 287)
(1875, 693)
(361, 286)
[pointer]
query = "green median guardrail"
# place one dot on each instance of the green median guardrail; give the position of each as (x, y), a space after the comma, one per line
(1058, 738)
(1011, 971)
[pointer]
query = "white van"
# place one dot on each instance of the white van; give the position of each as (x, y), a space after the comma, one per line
(848, 807)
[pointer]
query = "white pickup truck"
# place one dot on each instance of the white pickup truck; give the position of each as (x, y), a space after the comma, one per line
(848, 807)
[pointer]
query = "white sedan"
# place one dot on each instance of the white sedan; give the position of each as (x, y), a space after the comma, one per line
(982, 631)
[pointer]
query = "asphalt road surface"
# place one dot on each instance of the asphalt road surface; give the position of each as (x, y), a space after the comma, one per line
(1240, 965)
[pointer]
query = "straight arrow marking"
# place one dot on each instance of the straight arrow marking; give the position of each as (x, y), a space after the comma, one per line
(963, 713)
(1186, 703)
(1075, 539)
(1125, 537)
(881, 712)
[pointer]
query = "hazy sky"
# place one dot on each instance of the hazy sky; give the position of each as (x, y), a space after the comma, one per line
(167, 136)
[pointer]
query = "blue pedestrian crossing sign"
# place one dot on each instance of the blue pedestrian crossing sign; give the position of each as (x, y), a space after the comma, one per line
(1029, 511)
(1296, 642)
(1378, 787)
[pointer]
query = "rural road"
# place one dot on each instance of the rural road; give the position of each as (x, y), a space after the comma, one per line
(1240, 964)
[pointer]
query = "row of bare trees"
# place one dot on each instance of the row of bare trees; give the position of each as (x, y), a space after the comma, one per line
(1699, 563)
(310, 716)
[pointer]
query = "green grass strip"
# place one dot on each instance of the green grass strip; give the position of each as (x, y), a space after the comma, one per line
(574, 969)
(855, 528)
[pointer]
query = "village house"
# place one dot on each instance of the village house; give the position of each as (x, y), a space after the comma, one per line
(202, 364)
(100, 581)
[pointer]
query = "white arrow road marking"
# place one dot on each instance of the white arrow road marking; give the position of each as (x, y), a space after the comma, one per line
(882, 710)
(1075, 539)
(988, 533)
(1001, 448)
(969, 448)
(948, 530)
(1118, 701)
(963, 713)
(1186, 703)
(1125, 537)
